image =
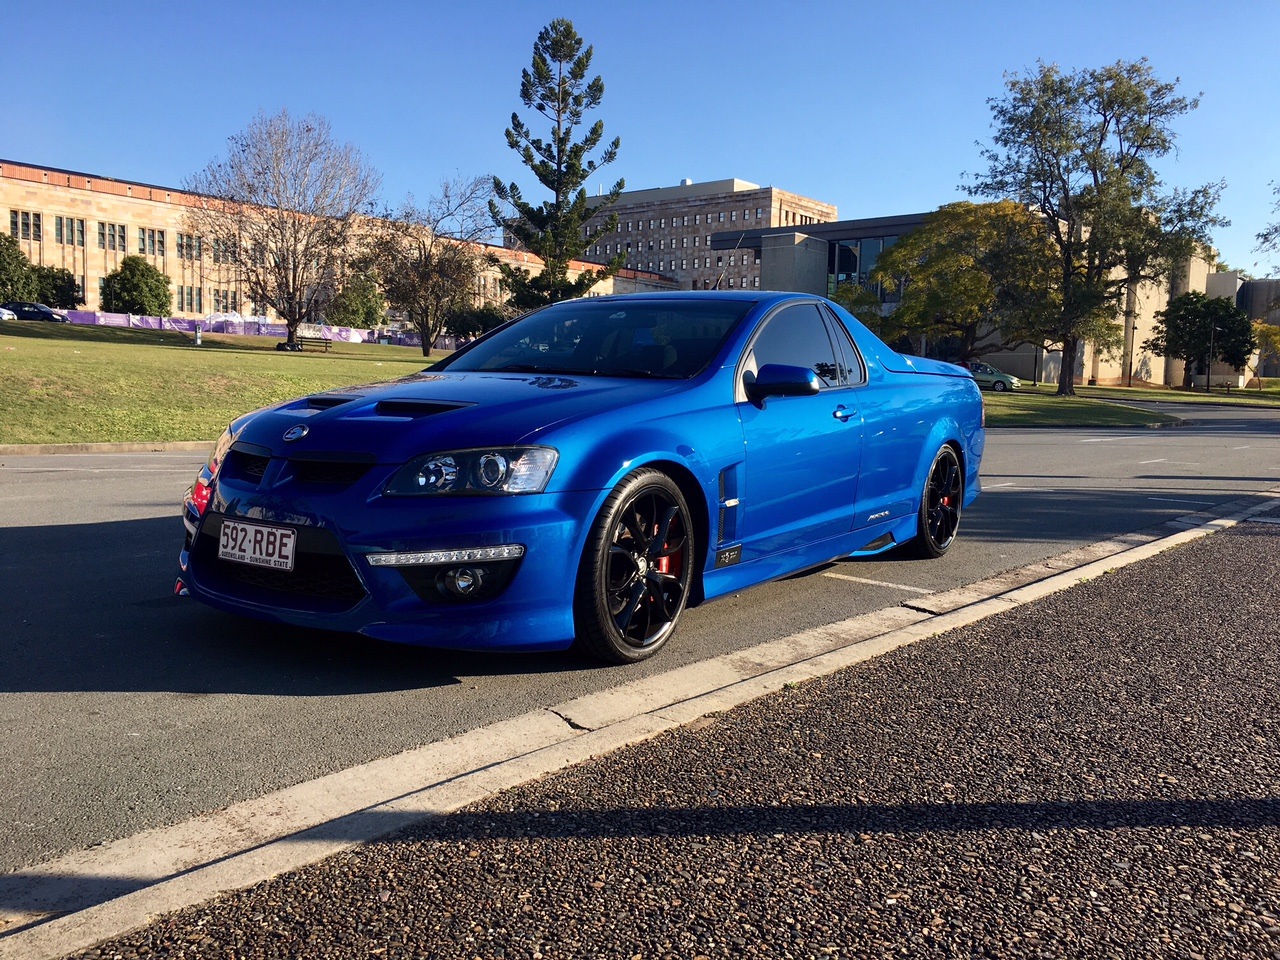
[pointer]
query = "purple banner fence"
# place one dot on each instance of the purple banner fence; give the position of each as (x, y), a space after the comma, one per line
(242, 326)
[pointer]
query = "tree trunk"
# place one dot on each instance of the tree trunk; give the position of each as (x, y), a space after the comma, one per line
(1067, 374)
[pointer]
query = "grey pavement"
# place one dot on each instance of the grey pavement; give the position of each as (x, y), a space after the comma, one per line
(1092, 774)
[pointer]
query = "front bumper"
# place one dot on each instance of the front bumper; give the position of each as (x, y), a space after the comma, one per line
(334, 586)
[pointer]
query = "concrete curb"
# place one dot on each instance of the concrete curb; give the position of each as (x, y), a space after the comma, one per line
(34, 449)
(57, 906)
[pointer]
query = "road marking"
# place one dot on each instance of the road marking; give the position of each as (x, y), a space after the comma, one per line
(1245, 447)
(1143, 463)
(1107, 439)
(1203, 503)
(876, 583)
(992, 486)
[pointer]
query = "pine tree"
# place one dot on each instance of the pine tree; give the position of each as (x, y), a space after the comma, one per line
(556, 86)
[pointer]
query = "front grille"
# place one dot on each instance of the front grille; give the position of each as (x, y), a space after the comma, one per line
(322, 578)
(329, 471)
(247, 467)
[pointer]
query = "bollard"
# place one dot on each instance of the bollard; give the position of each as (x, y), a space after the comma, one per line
(197, 334)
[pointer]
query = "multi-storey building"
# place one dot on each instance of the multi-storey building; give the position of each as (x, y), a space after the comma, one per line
(668, 230)
(87, 224)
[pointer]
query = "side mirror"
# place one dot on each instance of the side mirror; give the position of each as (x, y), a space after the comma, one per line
(781, 380)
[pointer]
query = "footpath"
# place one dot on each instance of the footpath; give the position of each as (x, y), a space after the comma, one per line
(1094, 774)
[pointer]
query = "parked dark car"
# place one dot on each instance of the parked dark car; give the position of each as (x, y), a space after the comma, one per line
(34, 311)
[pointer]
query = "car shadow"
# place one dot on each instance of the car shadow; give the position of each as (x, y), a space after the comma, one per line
(90, 607)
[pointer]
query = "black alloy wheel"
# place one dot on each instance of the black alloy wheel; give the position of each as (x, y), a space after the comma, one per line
(940, 505)
(633, 582)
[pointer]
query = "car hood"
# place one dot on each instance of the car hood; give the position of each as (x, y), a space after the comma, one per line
(401, 419)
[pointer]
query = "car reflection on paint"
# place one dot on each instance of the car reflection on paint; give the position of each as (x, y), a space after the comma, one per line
(585, 474)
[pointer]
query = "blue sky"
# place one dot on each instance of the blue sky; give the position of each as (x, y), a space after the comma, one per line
(873, 106)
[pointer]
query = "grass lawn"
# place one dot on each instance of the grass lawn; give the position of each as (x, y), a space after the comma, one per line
(1035, 408)
(1268, 396)
(64, 383)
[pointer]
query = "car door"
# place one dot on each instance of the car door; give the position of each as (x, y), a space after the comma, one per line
(802, 453)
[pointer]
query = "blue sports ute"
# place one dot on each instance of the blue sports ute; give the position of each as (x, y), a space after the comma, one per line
(584, 474)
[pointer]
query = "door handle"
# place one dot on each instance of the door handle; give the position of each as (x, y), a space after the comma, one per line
(842, 413)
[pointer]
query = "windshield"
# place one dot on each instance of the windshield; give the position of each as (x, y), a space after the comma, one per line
(663, 339)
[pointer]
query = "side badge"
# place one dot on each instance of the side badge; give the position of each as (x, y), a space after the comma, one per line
(296, 433)
(728, 556)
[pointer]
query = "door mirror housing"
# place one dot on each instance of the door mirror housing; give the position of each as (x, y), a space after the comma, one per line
(781, 380)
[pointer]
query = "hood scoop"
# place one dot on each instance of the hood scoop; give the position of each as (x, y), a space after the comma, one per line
(412, 409)
(327, 401)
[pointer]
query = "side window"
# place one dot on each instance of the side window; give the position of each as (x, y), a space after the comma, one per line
(852, 370)
(796, 336)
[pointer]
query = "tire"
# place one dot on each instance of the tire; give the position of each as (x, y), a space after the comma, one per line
(636, 570)
(999, 386)
(940, 504)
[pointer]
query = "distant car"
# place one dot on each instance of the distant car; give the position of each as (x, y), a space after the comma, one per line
(6, 314)
(586, 473)
(33, 311)
(989, 378)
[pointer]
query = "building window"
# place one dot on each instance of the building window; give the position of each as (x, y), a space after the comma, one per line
(37, 227)
(160, 242)
(684, 264)
(26, 225)
(758, 213)
(200, 298)
(684, 242)
(732, 260)
(142, 240)
(79, 232)
(733, 216)
(57, 229)
(13, 223)
(697, 219)
(102, 235)
(755, 281)
(731, 283)
(111, 236)
(720, 217)
(650, 224)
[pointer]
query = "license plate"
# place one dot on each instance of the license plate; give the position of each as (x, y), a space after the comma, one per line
(257, 544)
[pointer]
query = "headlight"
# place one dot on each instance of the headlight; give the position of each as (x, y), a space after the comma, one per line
(487, 470)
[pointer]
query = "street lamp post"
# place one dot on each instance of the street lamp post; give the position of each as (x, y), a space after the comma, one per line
(1208, 370)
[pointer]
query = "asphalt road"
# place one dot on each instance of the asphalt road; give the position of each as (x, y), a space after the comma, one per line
(123, 707)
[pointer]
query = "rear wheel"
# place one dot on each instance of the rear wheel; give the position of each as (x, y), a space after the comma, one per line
(633, 581)
(940, 503)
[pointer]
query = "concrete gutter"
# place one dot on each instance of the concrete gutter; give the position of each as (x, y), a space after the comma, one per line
(70, 903)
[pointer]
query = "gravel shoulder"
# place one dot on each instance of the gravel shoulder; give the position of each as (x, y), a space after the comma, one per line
(1089, 775)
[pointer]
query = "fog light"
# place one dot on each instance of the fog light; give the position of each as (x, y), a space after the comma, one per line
(464, 581)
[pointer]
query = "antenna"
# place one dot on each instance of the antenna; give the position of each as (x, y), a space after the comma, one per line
(742, 236)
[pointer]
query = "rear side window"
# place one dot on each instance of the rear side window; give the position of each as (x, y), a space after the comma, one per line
(852, 370)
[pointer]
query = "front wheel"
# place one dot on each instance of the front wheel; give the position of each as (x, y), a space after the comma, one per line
(998, 386)
(940, 504)
(633, 581)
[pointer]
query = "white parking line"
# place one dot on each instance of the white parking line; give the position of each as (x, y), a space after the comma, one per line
(992, 486)
(1143, 463)
(1203, 503)
(876, 583)
(1107, 439)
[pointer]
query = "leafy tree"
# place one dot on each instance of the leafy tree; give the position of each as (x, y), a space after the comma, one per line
(282, 208)
(1268, 337)
(428, 260)
(556, 86)
(974, 274)
(17, 281)
(1195, 328)
(358, 304)
(1078, 149)
(472, 321)
(137, 287)
(56, 287)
